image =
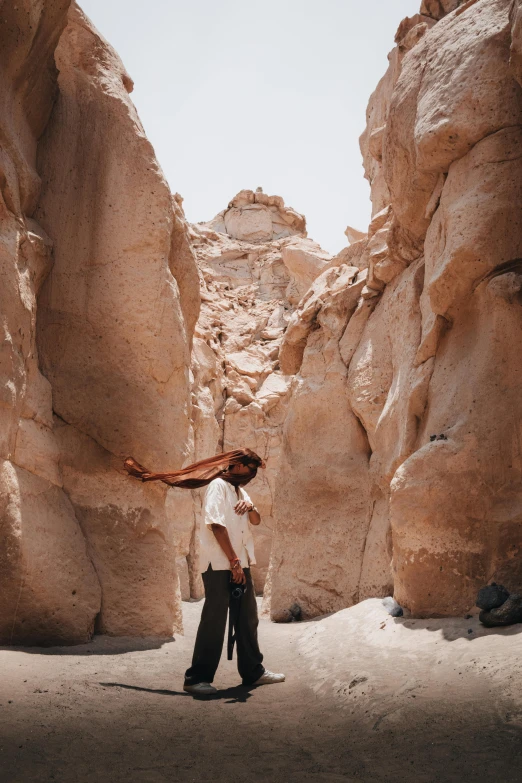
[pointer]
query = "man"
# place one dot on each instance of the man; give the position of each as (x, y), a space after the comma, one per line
(227, 551)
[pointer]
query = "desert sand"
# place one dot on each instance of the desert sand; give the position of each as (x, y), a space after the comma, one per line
(367, 698)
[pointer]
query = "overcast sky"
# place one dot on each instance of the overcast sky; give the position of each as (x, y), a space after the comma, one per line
(239, 94)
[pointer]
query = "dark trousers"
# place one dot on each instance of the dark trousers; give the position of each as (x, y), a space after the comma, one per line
(211, 631)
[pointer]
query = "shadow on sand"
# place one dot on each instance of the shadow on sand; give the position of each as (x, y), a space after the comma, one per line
(454, 628)
(99, 645)
(235, 695)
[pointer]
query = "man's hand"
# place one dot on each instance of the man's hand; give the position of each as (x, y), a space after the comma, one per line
(242, 507)
(238, 576)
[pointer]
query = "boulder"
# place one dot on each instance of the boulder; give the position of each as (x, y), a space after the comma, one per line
(321, 500)
(251, 223)
(257, 218)
(304, 260)
(436, 9)
(50, 590)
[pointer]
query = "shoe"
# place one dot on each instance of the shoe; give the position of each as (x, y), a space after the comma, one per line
(200, 689)
(267, 678)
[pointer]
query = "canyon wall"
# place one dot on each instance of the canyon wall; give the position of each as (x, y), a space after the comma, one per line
(49, 587)
(99, 299)
(381, 385)
(401, 462)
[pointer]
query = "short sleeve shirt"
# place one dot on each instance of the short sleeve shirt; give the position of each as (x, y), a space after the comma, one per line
(218, 509)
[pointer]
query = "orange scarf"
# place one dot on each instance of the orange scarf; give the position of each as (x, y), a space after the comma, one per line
(201, 473)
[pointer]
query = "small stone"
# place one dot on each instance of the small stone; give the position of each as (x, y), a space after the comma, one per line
(392, 607)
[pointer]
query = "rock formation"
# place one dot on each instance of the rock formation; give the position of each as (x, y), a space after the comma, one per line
(415, 335)
(49, 588)
(382, 385)
(99, 300)
(499, 606)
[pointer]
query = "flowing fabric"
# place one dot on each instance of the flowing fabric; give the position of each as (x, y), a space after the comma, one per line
(201, 473)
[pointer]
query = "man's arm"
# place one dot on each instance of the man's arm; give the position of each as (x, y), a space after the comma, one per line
(223, 539)
(243, 506)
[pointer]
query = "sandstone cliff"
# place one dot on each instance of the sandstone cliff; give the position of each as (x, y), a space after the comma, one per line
(99, 300)
(401, 459)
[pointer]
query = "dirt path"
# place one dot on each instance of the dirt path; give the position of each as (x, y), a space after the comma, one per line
(367, 699)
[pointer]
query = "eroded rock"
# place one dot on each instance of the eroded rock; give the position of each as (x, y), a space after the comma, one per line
(429, 344)
(49, 591)
(95, 252)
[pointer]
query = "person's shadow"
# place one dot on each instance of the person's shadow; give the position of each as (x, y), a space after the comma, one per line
(239, 693)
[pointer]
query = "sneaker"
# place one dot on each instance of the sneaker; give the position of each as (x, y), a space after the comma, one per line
(267, 678)
(200, 689)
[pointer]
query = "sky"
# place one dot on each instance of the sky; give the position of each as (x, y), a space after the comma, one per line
(240, 94)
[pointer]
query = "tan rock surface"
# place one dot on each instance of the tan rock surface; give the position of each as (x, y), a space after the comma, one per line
(457, 538)
(473, 285)
(439, 8)
(305, 261)
(256, 217)
(430, 342)
(112, 284)
(39, 600)
(110, 325)
(322, 492)
(132, 535)
(438, 113)
(50, 590)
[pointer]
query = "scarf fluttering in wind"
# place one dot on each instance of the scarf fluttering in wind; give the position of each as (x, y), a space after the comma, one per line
(201, 473)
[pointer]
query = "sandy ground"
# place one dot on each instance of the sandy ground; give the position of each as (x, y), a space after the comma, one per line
(367, 698)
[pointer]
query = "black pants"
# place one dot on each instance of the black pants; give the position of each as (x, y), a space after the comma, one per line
(211, 631)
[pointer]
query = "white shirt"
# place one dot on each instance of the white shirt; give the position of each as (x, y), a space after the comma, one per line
(218, 509)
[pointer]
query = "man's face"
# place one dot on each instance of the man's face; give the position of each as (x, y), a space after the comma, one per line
(242, 470)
